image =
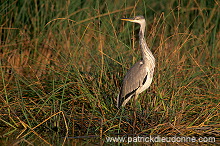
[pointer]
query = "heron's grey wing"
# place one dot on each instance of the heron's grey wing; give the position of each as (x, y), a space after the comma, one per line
(134, 79)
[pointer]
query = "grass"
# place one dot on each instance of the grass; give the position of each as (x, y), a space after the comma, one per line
(62, 65)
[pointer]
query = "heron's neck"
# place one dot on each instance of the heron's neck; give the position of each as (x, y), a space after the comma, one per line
(146, 53)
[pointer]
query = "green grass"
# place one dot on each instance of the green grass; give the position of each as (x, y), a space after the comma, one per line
(62, 65)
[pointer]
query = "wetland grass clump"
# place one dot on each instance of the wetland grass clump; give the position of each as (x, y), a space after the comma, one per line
(62, 65)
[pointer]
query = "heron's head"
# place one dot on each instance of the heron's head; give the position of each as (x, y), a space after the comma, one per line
(136, 19)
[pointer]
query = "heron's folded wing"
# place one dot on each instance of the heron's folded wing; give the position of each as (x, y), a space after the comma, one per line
(134, 79)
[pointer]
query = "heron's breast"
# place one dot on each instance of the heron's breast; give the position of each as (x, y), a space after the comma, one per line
(146, 84)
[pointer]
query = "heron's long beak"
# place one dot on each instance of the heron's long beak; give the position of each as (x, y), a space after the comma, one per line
(128, 19)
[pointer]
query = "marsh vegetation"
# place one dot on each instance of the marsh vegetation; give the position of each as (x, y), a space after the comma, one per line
(62, 64)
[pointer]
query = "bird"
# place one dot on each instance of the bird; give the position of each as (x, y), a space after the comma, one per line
(140, 75)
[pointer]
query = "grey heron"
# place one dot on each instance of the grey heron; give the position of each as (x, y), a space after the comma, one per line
(140, 75)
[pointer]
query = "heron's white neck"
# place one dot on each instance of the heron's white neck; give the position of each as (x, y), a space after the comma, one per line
(146, 53)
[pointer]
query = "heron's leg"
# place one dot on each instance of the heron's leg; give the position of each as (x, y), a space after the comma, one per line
(135, 112)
